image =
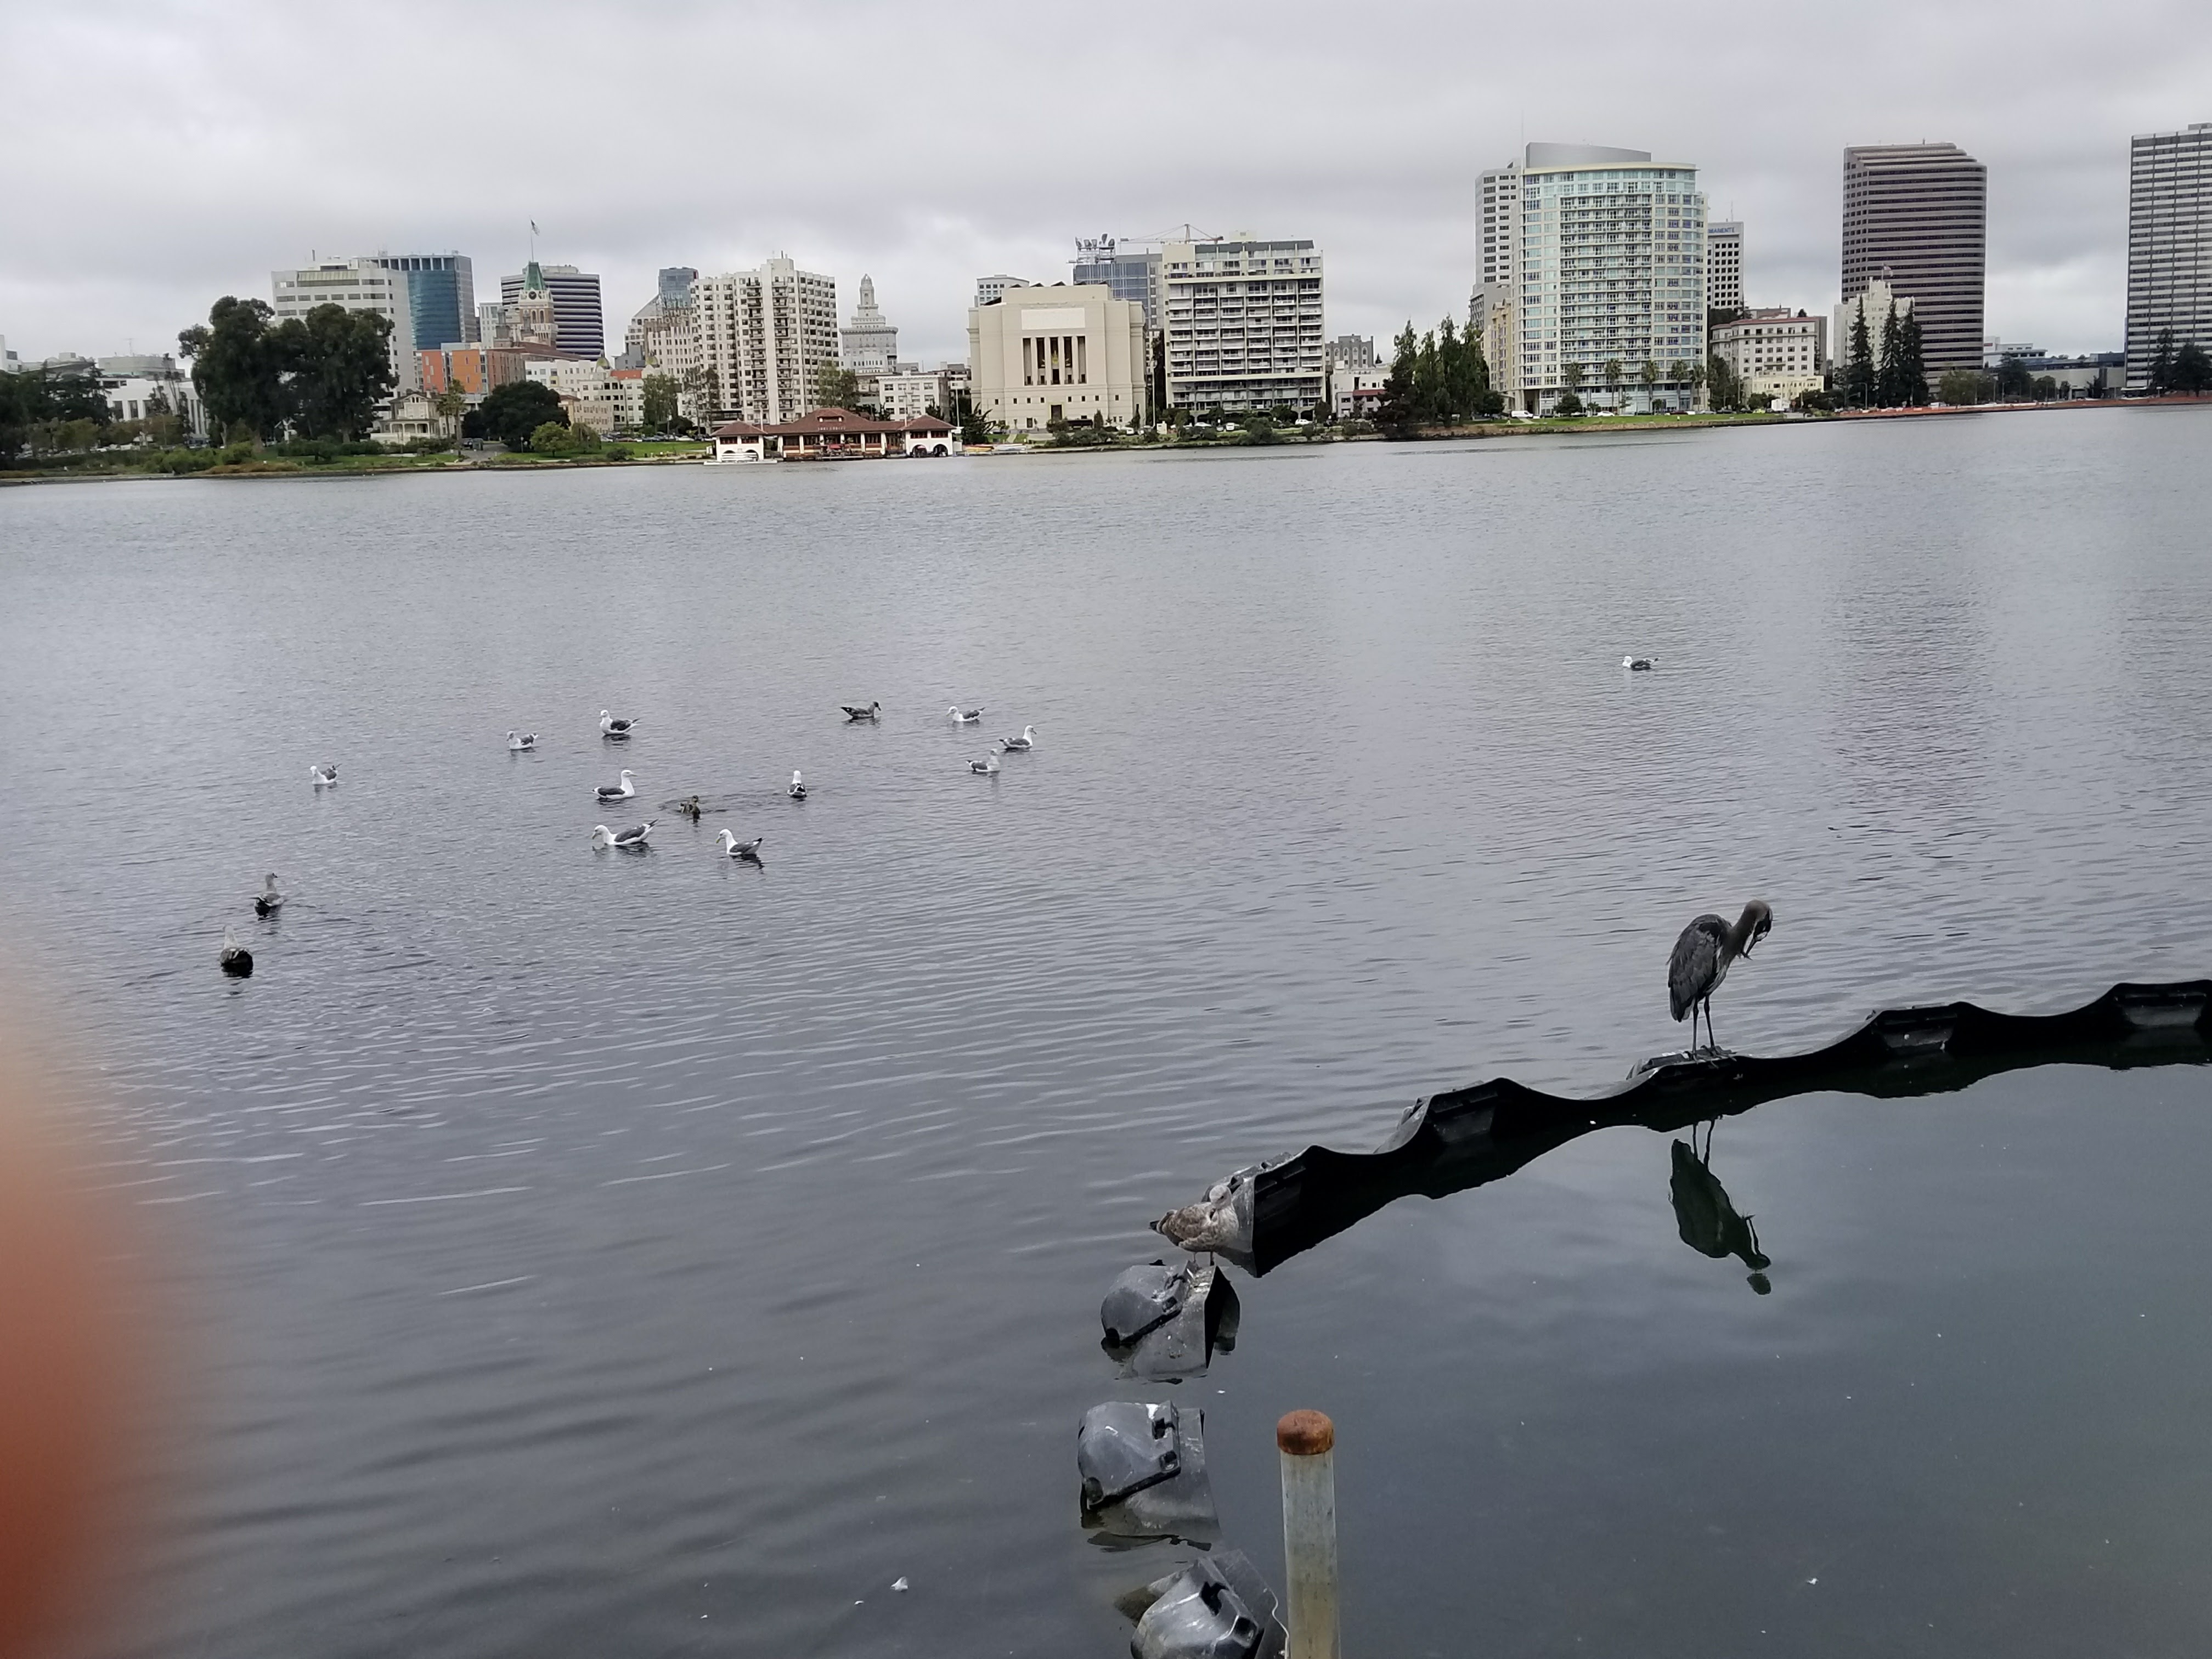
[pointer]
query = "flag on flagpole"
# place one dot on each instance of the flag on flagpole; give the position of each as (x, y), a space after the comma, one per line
(533, 226)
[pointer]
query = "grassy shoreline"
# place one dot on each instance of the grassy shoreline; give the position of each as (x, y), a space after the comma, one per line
(124, 467)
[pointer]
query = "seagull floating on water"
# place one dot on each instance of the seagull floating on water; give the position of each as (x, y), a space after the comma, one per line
(621, 791)
(748, 850)
(628, 839)
(1016, 745)
(325, 775)
(965, 716)
(988, 767)
(268, 902)
(854, 711)
(1700, 962)
(797, 790)
(1639, 664)
(237, 961)
(519, 741)
(610, 726)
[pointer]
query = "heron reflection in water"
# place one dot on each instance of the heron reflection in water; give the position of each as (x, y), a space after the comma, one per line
(1703, 1216)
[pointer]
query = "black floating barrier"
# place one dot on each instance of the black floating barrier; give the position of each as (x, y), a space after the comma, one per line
(1261, 1216)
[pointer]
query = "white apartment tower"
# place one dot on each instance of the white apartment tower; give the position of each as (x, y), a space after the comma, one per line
(1244, 325)
(1724, 265)
(762, 336)
(1593, 265)
(2169, 244)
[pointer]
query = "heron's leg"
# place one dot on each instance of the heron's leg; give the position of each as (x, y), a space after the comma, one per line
(1714, 1040)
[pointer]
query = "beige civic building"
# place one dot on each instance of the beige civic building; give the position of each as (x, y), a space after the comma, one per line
(1065, 353)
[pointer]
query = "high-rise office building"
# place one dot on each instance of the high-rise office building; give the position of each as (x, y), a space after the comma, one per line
(675, 291)
(1590, 256)
(442, 296)
(763, 337)
(1243, 325)
(2169, 244)
(1724, 266)
(363, 283)
(989, 290)
(868, 345)
(1131, 272)
(1921, 212)
(579, 330)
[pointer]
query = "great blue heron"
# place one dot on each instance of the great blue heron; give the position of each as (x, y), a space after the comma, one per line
(1705, 1216)
(1701, 962)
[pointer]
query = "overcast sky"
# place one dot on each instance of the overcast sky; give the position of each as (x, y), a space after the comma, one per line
(161, 155)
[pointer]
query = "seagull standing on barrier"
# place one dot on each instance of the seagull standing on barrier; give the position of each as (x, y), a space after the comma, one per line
(1701, 962)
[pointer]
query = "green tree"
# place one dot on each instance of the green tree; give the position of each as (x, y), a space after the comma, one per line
(1650, 375)
(2014, 384)
(1396, 413)
(1889, 372)
(1858, 367)
(2162, 363)
(836, 388)
(1612, 381)
(339, 368)
(2193, 370)
(1571, 377)
(1428, 380)
(1962, 387)
(237, 368)
(660, 394)
(517, 409)
(1569, 403)
(1912, 372)
(451, 404)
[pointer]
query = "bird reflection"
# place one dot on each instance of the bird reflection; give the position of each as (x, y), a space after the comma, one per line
(1703, 1216)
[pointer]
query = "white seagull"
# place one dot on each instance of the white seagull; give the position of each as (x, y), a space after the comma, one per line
(621, 791)
(325, 775)
(742, 849)
(986, 768)
(612, 727)
(797, 790)
(965, 716)
(854, 711)
(603, 836)
(1639, 664)
(1026, 741)
(268, 902)
(519, 741)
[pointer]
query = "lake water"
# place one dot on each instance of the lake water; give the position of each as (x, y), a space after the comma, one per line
(590, 1253)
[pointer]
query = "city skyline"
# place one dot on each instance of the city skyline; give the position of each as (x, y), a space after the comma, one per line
(226, 185)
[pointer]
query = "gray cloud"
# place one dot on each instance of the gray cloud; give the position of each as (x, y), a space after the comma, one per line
(167, 154)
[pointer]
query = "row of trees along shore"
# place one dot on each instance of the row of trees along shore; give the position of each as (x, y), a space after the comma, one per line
(1439, 378)
(318, 376)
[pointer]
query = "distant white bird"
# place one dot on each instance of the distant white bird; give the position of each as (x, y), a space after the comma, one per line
(268, 902)
(603, 836)
(614, 728)
(1026, 741)
(742, 849)
(1639, 664)
(519, 741)
(237, 961)
(965, 716)
(797, 790)
(621, 791)
(854, 711)
(986, 768)
(325, 775)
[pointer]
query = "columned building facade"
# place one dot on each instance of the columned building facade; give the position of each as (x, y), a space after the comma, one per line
(2169, 244)
(1042, 357)
(1921, 213)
